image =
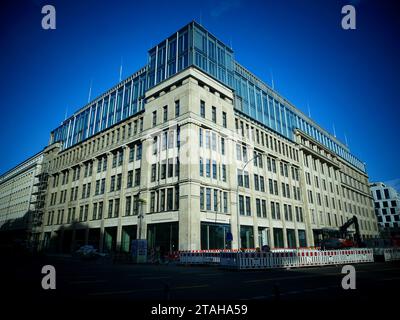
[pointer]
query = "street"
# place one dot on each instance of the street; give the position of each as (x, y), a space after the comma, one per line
(103, 280)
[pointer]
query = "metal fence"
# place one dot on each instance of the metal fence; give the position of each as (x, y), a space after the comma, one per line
(280, 259)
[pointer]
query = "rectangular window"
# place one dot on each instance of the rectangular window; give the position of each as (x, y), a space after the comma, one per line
(165, 113)
(224, 121)
(137, 177)
(110, 208)
(128, 206)
(200, 137)
(162, 200)
(214, 114)
(153, 172)
(246, 179)
(208, 168)
(225, 202)
(154, 117)
(112, 185)
(120, 157)
(177, 197)
(258, 207)
(241, 205)
(131, 153)
(214, 169)
(201, 198)
(163, 170)
(208, 199)
(103, 186)
(164, 140)
(116, 208)
(264, 208)
(152, 202)
(215, 200)
(100, 212)
(248, 206)
(170, 200)
(201, 167)
(177, 108)
(119, 181)
(256, 182)
(114, 160)
(139, 152)
(170, 168)
(262, 185)
(238, 152)
(240, 178)
(202, 109)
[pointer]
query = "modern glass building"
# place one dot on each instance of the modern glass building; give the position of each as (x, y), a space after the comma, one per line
(193, 151)
(193, 45)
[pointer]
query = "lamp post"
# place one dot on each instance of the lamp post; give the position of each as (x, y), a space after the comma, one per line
(140, 216)
(237, 205)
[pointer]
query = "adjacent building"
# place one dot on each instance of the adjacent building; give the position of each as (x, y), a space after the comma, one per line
(19, 198)
(194, 151)
(387, 206)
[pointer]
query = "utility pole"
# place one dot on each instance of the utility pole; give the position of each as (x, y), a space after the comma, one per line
(237, 200)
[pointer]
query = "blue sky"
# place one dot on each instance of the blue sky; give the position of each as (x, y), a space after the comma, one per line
(348, 78)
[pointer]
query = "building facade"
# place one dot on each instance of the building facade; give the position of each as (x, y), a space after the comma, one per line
(387, 206)
(192, 151)
(19, 197)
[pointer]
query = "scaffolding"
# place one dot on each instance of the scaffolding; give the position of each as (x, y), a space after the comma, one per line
(37, 205)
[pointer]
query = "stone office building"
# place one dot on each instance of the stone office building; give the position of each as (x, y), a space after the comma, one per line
(182, 149)
(19, 199)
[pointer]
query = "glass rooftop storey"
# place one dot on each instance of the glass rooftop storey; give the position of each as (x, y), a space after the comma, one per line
(255, 99)
(194, 45)
(122, 101)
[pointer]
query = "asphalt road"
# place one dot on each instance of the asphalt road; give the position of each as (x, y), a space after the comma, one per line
(104, 281)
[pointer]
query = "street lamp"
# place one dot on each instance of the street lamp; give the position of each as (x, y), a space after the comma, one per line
(258, 155)
(141, 215)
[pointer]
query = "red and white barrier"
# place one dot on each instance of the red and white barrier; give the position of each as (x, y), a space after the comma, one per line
(282, 259)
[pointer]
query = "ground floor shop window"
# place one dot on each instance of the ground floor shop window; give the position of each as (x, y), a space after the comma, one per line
(278, 238)
(246, 237)
(163, 237)
(291, 238)
(302, 238)
(214, 236)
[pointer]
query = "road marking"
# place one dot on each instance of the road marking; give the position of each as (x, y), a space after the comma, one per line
(388, 279)
(191, 287)
(121, 292)
(143, 290)
(155, 278)
(87, 281)
(279, 278)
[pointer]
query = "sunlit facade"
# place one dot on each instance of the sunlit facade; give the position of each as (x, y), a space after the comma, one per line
(176, 141)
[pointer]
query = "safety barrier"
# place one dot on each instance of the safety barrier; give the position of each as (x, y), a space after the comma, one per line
(281, 259)
(301, 258)
(391, 254)
(199, 257)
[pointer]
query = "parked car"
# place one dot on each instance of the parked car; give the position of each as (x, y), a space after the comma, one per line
(88, 252)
